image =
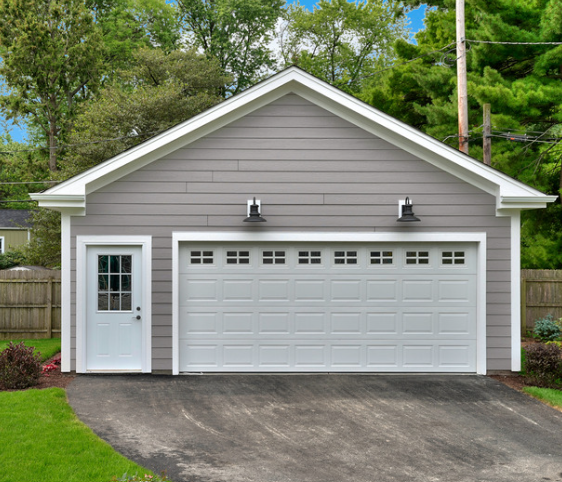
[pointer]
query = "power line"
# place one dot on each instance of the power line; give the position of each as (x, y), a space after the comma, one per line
(512, 43)
(32, 182)
(396, 65)
(64, 146)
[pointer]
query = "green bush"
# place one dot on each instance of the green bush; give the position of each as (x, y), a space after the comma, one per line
(10, 259)
(546, 329)
(543, 365)
(20, 366)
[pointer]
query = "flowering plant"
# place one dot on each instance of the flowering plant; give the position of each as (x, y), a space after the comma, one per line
(49, 367)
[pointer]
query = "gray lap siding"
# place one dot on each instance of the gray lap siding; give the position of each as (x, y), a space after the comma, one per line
(313, 172)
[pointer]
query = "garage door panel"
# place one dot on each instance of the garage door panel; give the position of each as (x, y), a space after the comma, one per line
(349, 307)
(382, 290)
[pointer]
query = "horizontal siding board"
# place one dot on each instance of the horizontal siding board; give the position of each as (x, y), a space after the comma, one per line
(407, 164)
(278, 109)
(437, 198)
(200, 199)
(294, 154)
(302, 145)
(328, 188)
(182, 175)
(329, 177)
(303, 121)
(175, 163)
(259, 132)
(148, 187)
(435, 222)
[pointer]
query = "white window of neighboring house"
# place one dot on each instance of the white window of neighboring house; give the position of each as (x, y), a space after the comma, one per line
(1, 244)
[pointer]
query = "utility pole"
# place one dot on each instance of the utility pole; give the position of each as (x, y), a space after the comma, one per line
(487, 133)
(461, 79)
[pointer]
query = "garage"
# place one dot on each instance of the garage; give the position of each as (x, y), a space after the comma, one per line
(327, 307)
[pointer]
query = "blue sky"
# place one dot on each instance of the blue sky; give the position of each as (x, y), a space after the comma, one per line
(416, 23)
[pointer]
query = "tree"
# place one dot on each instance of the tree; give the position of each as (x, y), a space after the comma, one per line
(20, 165)
(342, 42)
(128, 25)
(521, 81)
(52, 58)
(160, 91)
(236, 33)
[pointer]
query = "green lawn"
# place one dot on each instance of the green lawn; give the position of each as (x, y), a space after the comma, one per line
(42, 440)
(550, 396)
(48, 347)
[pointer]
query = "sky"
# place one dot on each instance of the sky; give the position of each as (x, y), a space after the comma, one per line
(416, 23)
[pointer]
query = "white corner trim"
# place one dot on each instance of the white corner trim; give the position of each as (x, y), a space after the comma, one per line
(175, 308)
(273, 237)
(516, 291)
(82, 244)
(66, 330)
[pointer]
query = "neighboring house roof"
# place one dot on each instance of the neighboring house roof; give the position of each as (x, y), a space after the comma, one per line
(70, 196)
(15, 218)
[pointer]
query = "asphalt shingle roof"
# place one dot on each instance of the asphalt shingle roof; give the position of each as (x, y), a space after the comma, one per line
(15, 218)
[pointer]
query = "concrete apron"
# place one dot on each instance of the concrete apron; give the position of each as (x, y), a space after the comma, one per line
(324, 428)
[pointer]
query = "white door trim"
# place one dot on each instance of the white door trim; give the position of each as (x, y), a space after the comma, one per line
(82, 244)
(263, 237)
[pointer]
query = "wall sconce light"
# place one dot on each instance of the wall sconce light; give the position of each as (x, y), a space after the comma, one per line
(254, 212)
(405, 212)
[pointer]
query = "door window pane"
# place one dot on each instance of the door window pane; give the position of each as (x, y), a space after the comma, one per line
(114, 283)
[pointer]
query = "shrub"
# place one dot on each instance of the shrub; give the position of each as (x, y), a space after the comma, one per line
(20, 367)
(543, 365)
(10, 259)
(546, 329)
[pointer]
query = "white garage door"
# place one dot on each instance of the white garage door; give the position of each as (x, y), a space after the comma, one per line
(301, 307)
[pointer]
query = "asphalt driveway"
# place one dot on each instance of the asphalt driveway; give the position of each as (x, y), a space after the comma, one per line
(324, 428)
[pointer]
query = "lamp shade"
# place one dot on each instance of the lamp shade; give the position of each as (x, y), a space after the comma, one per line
(254, 214)
(408, 215)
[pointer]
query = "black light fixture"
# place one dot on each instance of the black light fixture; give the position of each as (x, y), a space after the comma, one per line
(407, 215)
(254, 215)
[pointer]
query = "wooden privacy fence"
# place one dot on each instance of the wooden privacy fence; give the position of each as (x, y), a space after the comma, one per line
(541, 295)
(30, 304)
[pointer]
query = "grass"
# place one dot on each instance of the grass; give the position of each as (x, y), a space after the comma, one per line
(43, 440)
(48, 347)
(549, 396)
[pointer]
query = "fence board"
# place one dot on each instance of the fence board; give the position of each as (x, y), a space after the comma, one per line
(30, 304)
(541, 295)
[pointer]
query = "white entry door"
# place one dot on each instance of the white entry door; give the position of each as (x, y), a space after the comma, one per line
(114, 312)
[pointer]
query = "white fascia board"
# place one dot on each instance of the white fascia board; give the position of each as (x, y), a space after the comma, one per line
(294, 80)
(70, 204)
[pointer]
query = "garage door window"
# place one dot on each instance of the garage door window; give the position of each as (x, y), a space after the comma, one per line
(381, 257)
(237, 257)
(453, 257)
(201, 257)
(273, 257)
(310, 257)
(417, 257)
(345, 257)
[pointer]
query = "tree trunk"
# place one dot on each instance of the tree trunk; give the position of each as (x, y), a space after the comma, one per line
(52, 149)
